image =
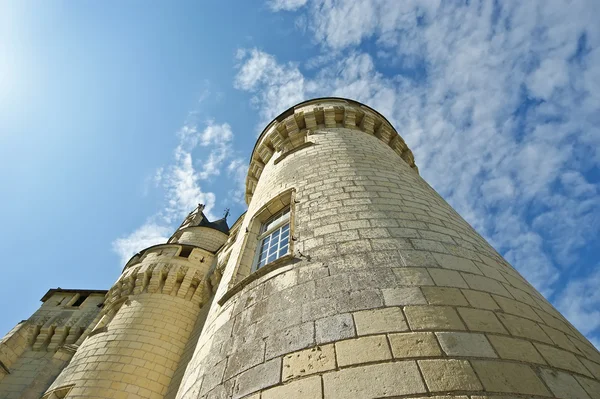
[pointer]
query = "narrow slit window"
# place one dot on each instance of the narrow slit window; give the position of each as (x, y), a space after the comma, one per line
(185, 252)
(273, 239)
(79, 300)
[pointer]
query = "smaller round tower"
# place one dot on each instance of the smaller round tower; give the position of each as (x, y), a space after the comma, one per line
(148, 317)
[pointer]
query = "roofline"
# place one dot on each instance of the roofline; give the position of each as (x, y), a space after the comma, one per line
(53, 291)
(291, 110)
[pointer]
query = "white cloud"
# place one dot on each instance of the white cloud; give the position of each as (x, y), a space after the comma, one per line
(182, 183)
(580, 303)
(287, 5)
(237, 171)
(499, 102)
(281, 86)
(145, 236)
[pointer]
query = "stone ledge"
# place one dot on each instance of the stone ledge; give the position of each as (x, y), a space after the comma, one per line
(276, 264)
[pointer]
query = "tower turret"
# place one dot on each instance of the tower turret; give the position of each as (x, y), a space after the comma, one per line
(352, 278)
(149, 314)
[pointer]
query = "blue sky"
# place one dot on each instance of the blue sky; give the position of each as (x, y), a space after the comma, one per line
(116, 119)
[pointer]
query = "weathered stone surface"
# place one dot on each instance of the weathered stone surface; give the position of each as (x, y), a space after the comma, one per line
(301, 389)
(465, 344)
(563, 385)
(334, 328)
(308, 361)
(478, 299)
(515, 349)
(449, 375)
(561, 359)
(444, 296)
(481, 320)
(509, 377)
(592, 387)
(433, 318)
(362, 350)
(456, 263)
(379, 321)
(447, 278)
(418, 344)
(290, 340)
(257, 378)
(386, 379)
(403, 296)
(521, 327)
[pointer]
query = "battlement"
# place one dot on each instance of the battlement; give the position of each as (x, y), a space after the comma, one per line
(290, 130)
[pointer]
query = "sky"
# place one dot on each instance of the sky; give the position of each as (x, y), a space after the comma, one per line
(118, 118)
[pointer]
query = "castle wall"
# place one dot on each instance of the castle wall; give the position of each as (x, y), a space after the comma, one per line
(33, 353)
(389, 293)
(149, 315)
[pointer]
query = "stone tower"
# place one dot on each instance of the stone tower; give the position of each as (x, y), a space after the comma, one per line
(383, 291)
(347, 277)
(138, 347)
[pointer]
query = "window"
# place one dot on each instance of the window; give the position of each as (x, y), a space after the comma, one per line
(273, 239)
(79, 300)
(185, 252)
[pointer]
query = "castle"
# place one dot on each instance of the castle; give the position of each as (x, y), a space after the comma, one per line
(347, 277)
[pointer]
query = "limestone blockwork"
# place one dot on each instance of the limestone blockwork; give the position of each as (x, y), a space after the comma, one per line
(383, 290)
(389, 293)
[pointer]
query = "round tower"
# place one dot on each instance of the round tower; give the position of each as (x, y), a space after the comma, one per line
(351, 277)
(148, 316)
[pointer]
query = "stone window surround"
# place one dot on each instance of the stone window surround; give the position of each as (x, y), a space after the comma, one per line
(59, 393)
(243, 274)
(281, 221)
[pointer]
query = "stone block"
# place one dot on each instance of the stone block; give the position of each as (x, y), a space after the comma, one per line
(447, 278)
(392, 379)
(412, 276)
(446, 375)
(465, 344)
(562, 359)
(379, 321)
(248, 355)
(563, 385)
(444, 296)
(517, 308)
(433, 318)
(301, 389)
(521, 327)
(560, 338)
(403, 296)
(486, 284)
(515, 349)
(592, 387)
(456, 263)
(308, 361)
(362, 350)
(481, 320)
(290, 340)
(509, 377)
(319, 308)
(481, 300)
(259, 377)
(334, 328)
(592, 366)
(358, 300)
(417, 344)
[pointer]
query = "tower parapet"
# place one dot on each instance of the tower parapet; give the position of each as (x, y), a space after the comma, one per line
(289, 131)
(149, 314)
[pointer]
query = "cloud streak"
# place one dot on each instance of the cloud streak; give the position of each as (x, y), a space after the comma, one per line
(183, 182)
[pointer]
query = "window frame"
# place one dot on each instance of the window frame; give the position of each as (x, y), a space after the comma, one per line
(273, 224)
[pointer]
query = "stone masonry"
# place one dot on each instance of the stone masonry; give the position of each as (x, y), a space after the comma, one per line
(385, 291)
